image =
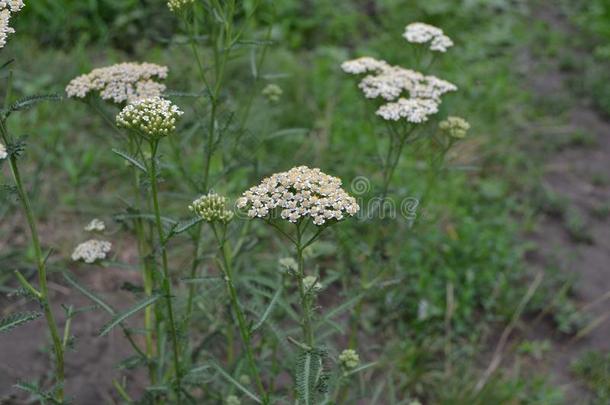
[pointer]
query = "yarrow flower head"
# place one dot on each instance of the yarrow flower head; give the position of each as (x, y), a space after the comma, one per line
(91, 251)
(212, 208)
(272, 92)
(120, 83)
(7, 7)
(153, 117)
(232, 400)
(389, 82)
(96, 225)
(420, 33)
(456, 127)
(312, 284)
(300, 193)
(288, 264)
(413, 110)
(178, 5)
(349, 359)
(3, 152)
(364, 64)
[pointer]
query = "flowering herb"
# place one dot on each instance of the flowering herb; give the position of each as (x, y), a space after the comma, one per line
(120, 83)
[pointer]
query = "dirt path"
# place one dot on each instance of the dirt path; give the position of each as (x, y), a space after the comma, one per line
(570, 173)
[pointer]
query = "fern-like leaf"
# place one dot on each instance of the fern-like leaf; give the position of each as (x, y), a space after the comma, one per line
(130, 159)
(309, 376)
(17, 319)
(120, 317)
(88, 293)
(27, 102)
(233, 381)
(269, 309)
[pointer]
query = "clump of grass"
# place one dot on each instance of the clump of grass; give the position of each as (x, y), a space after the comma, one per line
(593, 369)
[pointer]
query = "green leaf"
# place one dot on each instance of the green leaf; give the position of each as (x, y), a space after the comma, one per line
(120, 317)
(15, 320)
(27, 102)
(106, 307)
(236, 383)
(308, 376)
(131, 159)
(184, 226)
(270, 307)
(289, 132)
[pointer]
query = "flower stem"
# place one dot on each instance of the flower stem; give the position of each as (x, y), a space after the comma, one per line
(244, 330)
(146, 271)
(305, 299)
(166, 284)
(58, 347)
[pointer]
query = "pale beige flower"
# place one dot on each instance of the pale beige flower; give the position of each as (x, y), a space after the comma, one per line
(91, 251)
(300, 193)
(413, 110)
(120, 83)
(7, 7)
(421, 33)
(96, 225)
(3, 152)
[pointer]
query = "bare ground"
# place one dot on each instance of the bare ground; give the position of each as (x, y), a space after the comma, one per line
(569, 173)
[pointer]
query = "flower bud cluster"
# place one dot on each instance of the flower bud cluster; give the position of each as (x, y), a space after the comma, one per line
(178, 5)
(272, 92)
(152, 117)
(3, 152)
(212, 208)
(455, 127)
(349, 359)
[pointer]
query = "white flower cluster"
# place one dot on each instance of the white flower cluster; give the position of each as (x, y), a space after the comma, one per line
(151, 117)
(364, 64)
(212, 208)
(7, 7)
(3, 152)
(420, 33)
(123, 82)
(389, 82)
(413, 110)
(299, 193)
(349, 359)
(96, 225)
(177, 5)
(91, 251)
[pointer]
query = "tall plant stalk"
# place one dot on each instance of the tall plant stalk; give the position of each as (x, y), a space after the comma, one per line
(244, 330)
(166, 283)
(42, 292)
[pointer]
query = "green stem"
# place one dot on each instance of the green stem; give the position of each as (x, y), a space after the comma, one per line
(166, 284)
(146, 271)
(306, 323)
(42, 272)
(241, 319)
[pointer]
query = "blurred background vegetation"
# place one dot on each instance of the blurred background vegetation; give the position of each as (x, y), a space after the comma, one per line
(467, 235)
